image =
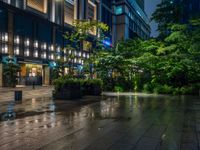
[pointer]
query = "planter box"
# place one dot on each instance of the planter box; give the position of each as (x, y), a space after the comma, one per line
(68, 93)
(92, 90)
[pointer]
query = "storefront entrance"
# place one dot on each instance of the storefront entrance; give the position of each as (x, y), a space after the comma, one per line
(30, 74)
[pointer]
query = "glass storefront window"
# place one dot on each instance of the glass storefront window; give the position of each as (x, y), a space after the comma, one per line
(30, 73)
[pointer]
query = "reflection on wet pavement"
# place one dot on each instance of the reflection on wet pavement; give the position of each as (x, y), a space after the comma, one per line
(117, 122)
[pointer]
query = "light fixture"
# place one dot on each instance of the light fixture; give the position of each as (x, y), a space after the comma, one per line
(27, 53)
(79, 61)
(36, 54)
(27, 42)
(58, 49)
(44, 46)
(79, 54)
(16, 40)
(88, 56)
(16, 51)
(6, 37)
(51, 57)
(51, 48)
(44, 55)
(65, 51)
(84, 55)
(5, 49)
(36, 44)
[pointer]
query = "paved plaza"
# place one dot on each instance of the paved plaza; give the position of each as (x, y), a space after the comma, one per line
(130, 122)
(7, 94)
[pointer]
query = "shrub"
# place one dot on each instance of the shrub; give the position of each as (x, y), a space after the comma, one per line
(147, 88)
(157, 89)
(118, 89)
(64, 81)
(93, 82)
(92, 86)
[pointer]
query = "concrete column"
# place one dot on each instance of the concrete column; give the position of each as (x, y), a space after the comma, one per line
(46, 75)
(10, 33)
(81, 9)
(1, 74)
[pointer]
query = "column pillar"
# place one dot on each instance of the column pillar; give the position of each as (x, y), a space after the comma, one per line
(46, 76)
(10, 33)
(1, 74)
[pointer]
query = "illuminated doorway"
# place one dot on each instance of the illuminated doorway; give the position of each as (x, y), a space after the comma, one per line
(30, 73)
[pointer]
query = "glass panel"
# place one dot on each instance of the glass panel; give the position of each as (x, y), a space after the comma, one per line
(69, 12)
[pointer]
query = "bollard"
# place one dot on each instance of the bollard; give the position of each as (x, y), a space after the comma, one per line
(18, 95)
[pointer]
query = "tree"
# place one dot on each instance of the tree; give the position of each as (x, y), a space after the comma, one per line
(84, 30)
(58, 69)
(10, 72)
(163, 66)
(168, 12)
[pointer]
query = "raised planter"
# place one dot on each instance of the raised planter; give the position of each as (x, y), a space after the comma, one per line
(68, 93)
(67, 89)
(92, 87)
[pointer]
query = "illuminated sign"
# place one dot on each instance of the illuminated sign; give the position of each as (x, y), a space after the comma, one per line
(118, 10)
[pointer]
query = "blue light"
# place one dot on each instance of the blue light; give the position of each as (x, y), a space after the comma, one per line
(52, 64)
(80, 67)
(9, 59)
(118, 10)
(107, 43)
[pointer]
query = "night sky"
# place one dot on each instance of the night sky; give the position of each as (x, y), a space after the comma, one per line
(150, 6)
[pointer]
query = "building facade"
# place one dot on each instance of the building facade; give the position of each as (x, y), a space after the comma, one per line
(129, 20)
(32, 31)
(189, 9)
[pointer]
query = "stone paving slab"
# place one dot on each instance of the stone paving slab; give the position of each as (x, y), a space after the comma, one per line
(115, 123)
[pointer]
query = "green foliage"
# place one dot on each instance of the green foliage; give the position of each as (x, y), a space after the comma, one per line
(93, 82)
(147, 88)
(168, 66)
(163, 89)
(118, 89)
(58, 70)
(64, 81)
(82, 31)
(167, 13)
(10, 73)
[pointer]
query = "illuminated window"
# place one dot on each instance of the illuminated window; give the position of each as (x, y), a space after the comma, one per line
(69, 11)
(40, 5)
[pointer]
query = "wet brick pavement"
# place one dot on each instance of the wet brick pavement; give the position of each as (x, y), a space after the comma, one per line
(142, 122)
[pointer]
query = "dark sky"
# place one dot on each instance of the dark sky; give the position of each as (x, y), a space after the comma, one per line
(150, 6)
